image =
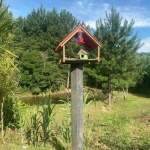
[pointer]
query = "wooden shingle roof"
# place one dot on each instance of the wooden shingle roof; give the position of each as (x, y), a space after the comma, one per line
(90, 41)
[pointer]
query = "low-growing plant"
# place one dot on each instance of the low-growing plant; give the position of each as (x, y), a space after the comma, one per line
(33, 132)
(36, 91)
(39, 129)
(20, 117)
(86, 102)
(63, 135)
(8, 113)
(88, 125)
(14, 115)
(47, 116)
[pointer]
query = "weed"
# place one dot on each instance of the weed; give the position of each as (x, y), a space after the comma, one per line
(63, 135)
(88, 124)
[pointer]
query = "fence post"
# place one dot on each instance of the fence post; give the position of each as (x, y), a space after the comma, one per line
(77, 106)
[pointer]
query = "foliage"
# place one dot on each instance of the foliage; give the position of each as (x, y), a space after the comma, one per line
(105, 127)
(36, 91)
(14, 111)
(88, 125)
(8, 77)
(86, 102)
(63, 134)
(143, 84)
(119, 66)
(42, 30)
(33, 128)
(39, 128)
(8, 112)
(47, 119)
(37, 35)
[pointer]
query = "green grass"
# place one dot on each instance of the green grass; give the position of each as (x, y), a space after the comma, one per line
(125, 125)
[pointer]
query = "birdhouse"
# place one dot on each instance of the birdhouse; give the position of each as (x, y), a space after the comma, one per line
(83, 54)
(82, 37)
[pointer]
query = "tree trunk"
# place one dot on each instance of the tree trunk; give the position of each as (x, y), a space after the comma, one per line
(125, 93)
(109, 94)
(68, 79)
(109, 89)
(113, 96)
(109, 98)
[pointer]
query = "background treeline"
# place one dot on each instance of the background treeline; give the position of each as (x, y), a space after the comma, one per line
(35, 37)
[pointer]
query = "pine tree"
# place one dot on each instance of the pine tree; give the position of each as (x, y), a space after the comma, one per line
(119, 64)
(143, 84)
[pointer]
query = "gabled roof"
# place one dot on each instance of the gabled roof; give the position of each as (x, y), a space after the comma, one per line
(90, 41)
(83, 51)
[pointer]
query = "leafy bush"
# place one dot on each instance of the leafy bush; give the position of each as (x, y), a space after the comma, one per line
(36, 91)
(14, 113)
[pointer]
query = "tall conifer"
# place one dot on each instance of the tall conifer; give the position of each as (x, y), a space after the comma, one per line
(119, 64)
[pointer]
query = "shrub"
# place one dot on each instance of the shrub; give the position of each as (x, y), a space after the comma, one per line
(36, 91)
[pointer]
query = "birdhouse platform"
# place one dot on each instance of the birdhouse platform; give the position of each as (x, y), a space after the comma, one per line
(83, 37)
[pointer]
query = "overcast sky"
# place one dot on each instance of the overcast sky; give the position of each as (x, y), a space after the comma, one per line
(91, 10)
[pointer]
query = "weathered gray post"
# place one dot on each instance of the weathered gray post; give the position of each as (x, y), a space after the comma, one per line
(77, 106)
(85, 38)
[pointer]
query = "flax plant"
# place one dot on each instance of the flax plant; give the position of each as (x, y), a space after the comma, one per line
(33, 127)
(47, 114)
(39, 128)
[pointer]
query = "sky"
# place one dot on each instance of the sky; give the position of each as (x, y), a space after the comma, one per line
(89, 11)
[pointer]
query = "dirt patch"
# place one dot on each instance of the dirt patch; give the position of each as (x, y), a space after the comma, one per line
(145, 119)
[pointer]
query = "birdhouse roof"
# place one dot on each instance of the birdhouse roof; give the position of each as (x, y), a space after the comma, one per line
(83, 52)
(90, 41)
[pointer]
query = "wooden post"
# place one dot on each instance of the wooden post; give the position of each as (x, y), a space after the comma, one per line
(77, 106)
(98, 53)
(64, 53)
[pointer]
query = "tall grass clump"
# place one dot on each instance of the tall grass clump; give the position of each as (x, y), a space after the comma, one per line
(33, 132)
(47, 114)
(39, 129)
(63, 134)
(88, 125)
(14, 116)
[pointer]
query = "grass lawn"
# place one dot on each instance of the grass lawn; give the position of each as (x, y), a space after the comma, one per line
(125, 125)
